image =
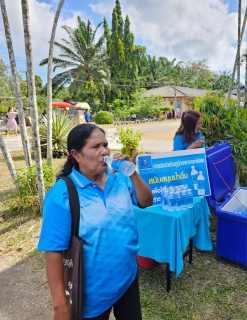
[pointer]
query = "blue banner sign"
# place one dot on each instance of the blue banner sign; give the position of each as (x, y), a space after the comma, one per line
(178, 168)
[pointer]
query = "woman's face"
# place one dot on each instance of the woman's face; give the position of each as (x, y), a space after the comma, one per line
(91, 157)
(198, 125)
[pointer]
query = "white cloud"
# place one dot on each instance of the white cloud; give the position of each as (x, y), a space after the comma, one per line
(186, 30)
(103, 8)
(41, 21)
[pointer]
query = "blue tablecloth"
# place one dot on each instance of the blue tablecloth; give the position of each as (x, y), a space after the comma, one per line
(164, 235)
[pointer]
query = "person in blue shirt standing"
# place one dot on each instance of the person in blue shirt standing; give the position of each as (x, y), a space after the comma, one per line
(107, 226)
(87, 116)
(188, 135)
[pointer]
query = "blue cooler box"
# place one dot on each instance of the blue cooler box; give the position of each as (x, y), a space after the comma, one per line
(231, 237)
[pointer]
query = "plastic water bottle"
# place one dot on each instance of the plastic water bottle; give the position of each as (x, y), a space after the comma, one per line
(123, 166)
(194, 175)
(178, 201)
(189, 198)
(184, 199)
(164, 198)
(171, 201)
(201, 184)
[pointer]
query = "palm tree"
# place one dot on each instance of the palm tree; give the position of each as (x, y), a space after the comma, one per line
(83, 58)
(238, 51)
(8, 159)
(236, 59)
(16, 84)
(49, 84)
(173, 76)
(32, 101)
(153, 70)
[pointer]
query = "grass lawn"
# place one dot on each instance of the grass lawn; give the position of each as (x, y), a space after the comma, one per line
(210, 288)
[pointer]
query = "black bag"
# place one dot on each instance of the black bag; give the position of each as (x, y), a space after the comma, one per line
(73, 258)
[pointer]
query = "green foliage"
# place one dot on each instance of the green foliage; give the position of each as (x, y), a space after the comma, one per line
(41, 103)
(61, 126)
(3, 108)
(82, 58)
(130, 140)
(26, 199)
(220, 124)
(103, 117)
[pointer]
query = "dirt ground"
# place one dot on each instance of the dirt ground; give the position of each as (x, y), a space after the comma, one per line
(24, 290)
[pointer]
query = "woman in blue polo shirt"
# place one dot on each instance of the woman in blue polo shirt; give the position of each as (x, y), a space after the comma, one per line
(107, 226)
(188, 135)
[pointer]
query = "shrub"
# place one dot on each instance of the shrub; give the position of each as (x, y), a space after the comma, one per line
(220, 124)
(26, 199)
(61, 126)
(103, 117)
(130, 140)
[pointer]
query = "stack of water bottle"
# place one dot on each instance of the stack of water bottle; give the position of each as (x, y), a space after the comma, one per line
(176, 198)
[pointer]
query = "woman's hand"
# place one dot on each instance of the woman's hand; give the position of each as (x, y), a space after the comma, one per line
(119, 156)
(197, 144)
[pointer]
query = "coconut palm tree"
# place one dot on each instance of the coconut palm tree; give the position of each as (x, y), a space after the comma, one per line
(153, 70)
(238, 50)
(236, 59)
(32, 101)
(16, 84)
(82, 57)
(49, 84)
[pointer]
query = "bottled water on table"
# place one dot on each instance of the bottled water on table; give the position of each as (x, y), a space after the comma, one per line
(184, 199)
(164, 198)
(178, 197)
(189, 198)
(171, 201)
(123, 166)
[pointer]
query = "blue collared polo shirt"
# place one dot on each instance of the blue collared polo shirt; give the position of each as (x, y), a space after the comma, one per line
(179, 144)
(109, 231)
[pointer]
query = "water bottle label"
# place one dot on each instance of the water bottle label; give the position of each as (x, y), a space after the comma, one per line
(116, 164)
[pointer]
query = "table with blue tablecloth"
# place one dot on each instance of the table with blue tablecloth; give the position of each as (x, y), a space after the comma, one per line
(164, 235)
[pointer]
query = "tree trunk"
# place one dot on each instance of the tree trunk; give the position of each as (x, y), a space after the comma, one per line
(235, 63)
(32, 101)
(49, 85)
(238, 52)
(175, 99)
(16, 84)
(245, 87)
(8, 159)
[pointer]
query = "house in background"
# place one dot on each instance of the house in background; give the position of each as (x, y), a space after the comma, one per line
(234, 91)
(184, 95)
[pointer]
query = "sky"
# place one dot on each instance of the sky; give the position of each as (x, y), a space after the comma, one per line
(185, 30)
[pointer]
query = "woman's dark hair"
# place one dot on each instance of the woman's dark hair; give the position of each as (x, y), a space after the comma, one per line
(188, 123)
(77, 139)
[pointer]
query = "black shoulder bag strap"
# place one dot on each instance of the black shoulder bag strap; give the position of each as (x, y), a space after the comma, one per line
(74, 206)
(73, 258)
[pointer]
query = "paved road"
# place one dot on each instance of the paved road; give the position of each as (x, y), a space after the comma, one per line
(149, 145)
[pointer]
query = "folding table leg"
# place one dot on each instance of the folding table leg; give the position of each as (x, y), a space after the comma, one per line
(191, 250)
(168, 277)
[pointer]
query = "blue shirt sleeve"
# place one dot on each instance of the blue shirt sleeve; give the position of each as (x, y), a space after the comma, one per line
(178, 143)
(56, 226)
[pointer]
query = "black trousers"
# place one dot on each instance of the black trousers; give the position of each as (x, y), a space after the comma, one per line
(128, 307)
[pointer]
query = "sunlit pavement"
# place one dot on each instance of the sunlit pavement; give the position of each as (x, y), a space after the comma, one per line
(14, 143)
